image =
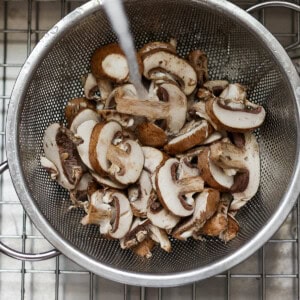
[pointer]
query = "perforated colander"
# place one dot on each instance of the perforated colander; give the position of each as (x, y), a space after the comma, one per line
(239, 50)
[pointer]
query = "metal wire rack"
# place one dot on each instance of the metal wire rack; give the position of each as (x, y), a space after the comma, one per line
(271, 273)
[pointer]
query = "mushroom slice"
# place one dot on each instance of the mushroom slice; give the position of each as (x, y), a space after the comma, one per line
(75, 106)
(105, 88)
(138, 232)
(123, 214)
(150, 134)
(112, 115)
(232, 229)
(216, 87)
(160, 216)
(235, 92)
(198, 59)
(50, 167)
(84, 131)
(172, 108)
(107, 182)
(139, 194)
(192, 134)
(206, 204)
(84, 115)
(218, 223)
(247, 158)
(90, 86)
(61, 151)
(212, 174)
(109, 62)
(171, 63)
(144, 248)
(127, 89)
(102, 136)
(204, 94)
(214, 137)
(156, 46)
(99, 213)
(171, 191)
(127, 160)
(161, 237)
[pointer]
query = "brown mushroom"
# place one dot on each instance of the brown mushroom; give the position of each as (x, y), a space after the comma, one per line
(150, 134)
(216, 87)
(112, 115)
(198, 59)
(84, 115)
(107, 181)
(156, 46)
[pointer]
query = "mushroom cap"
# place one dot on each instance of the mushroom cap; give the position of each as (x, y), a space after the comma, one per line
(126, 161)
(156, 46)
(61, 151)
(213, 175)
(150, 134)
(206, 204)
(107, 182)
(189, 137)
(84, 115)
(109, 62)
(153, 158)
(171, 191)
(173, 64)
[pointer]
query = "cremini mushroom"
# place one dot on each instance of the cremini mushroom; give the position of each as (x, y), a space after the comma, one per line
(235, 92)
(84, 115)
(156, 46)
(160, 236)
(216, 87)
(106, 181)
(206, 204)
(150, 134)
(112, 115)
(171, 190)
(172, 107)
(198, 60)
(62, 160)
(193, 134)
(170, 63)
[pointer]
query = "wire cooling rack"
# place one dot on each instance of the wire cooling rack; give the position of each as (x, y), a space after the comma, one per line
(271, 273)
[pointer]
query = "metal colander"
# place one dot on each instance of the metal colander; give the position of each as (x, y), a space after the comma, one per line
(239, 50)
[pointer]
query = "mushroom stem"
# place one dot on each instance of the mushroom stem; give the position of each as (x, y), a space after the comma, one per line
(191, 184)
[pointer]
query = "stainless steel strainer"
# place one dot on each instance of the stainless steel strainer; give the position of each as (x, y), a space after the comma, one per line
(239, 49)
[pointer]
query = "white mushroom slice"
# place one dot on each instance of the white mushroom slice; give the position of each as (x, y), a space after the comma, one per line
(50, 167)
(109, 62)
(127, 160)
(230, 156)
(138, 232)
(123, 214)
(112, 115)
(90, 86)
(84, 131)
(150, 134)
(139, 194)
(101, 138)
(172, 108)
(99, 213)
(217, 87)
(84, 115)
(160, 216)
(206, 204)
(171, 191)
(189, 137)
(233, 116)
(161, 237)
(171, 63)
(215, 136)
(198, 59)
(213, 175)
(186, 168)
(235, 92)
(107, 182)
(61, 151)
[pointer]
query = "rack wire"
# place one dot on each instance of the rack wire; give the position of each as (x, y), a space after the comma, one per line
(271, 273)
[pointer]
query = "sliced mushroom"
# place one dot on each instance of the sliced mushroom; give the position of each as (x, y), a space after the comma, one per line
(216, 87)
(150, 134)
(139, 194)
(144, 248)
(127, 160)
(105, 88)
(230, 156)
(90, 86)
(235, 92)
(192, 134)
(123, 214)
(198, 59)
(171, 191)
(203, 94)
(127, 89)
(232, 229)
(156, 46)
(75, 106)
(161, 237)
(213, 175)
(84, 115)
(206, 204)
(109, 62)
(138, 232)
(60, 150)
(107, 182)
(171, 63)
(172, 108)
(215, 136)
(50, 167)
(112, 115)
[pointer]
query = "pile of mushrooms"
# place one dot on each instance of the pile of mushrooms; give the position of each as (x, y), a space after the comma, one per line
(179, 164)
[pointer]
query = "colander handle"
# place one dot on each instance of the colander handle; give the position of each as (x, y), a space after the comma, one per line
(20, 255)
(274, 4)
